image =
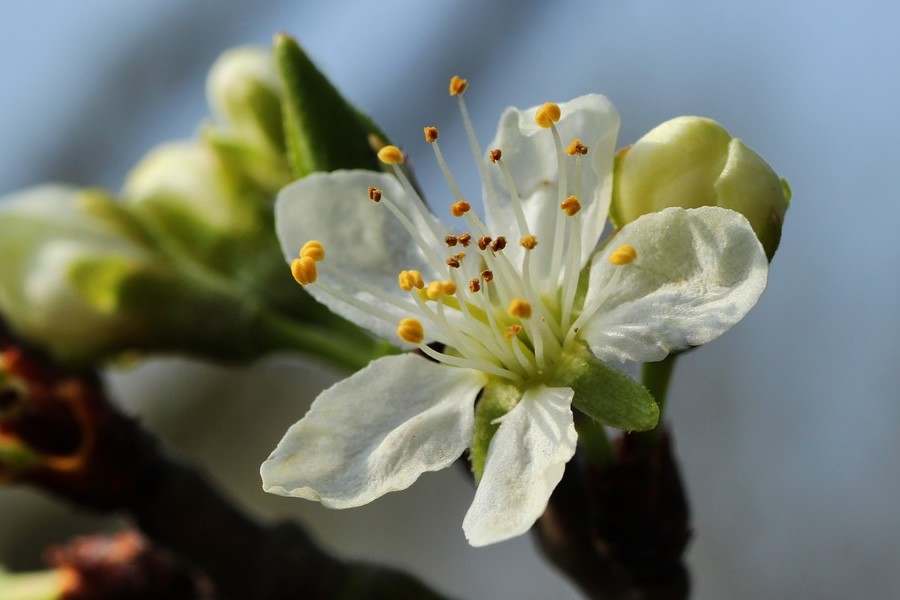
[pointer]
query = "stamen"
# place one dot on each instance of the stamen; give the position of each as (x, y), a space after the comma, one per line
(499, 244)
(411, 330)
(623, 255)
(474, 285)
(520, 308)
(451, 240)
(484, 242)
(576, 147)
(436, 289)
(458, 85)
(304, 270)
(528, 242)
(313, 249)
(431, 134)
(514, 198)
(374, 194)
(487, 276)
(512, 331)
(547, 114)
(391, 155)
(455, 260)
(428, 249)
(478, 365)
(570, 206)
(460, 208)
(464, 239)
(409, 280)
(562, 192)
(495, 155)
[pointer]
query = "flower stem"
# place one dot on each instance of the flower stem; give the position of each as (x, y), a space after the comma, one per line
(656, 377)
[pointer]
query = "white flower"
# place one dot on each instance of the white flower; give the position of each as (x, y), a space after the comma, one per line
(498, 302)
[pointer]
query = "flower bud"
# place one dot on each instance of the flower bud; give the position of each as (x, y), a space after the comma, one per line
(67, 255)
(243, 91)
(691, 162)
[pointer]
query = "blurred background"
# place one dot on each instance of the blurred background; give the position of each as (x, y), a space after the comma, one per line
(787, 427)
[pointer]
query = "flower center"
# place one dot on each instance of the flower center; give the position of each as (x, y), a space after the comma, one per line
(487, 309)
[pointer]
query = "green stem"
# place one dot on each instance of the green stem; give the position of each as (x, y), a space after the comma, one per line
(655, 377)
(593, 441)
(350, 350)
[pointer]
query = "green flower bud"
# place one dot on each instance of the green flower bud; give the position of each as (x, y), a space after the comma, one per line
(66, 257)
(691, 162)
(243, 91)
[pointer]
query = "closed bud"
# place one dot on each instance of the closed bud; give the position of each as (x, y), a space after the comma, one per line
(691, 162)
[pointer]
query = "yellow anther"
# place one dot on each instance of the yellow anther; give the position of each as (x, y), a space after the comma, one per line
(431, 134)
(464, 239)
(546, 115)
(458, 85)
(391, 155)
(451, 240)
(520, 308)
(487, 276)
(528, 242)
(623, 255)
(374, 194)
(313, 249)
(499, 244)
(460, 208)
(484, 242)
(474, 285)
(512, 331)
(436, 289)
(495, 155)
(570, 206)
(576, 147)
(411, 330)
(409, 280)
(304, 270)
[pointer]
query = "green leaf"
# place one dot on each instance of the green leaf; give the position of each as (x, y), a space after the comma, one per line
(608, 396)
(322, 131)
(496, 399)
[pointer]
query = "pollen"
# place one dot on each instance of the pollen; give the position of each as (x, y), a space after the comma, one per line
(374, 194)
(499, 244)
(474, 285)
(528, 242)
(464, 239)
(548, 114)
(304, 270)
(623, 255)
(431, 134)
(313, 249)
(512, 331)
(458, 85)
(455, 260)
(451, 240)
(520, 308)
(576, 147)
(495, 155)
(411, 330)
(391, 155)
(460, 208)
(570, 206)
(487, 276)
(409, 280)
(484, 242)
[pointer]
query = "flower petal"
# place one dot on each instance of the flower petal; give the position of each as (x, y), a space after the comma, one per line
(376, 432)
(530, 154)
(361, 238)
(697, 273)
(524, 464)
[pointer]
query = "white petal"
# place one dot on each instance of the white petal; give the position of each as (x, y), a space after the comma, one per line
(697, 273)
(530, 154)
(361, 238)
(376, 432)
(525, 462)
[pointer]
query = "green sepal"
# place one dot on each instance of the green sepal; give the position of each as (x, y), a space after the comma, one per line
(605, 394)
(496, 399)
(37, 585)
(322, 131)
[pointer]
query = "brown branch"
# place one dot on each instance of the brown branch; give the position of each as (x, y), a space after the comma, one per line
(91, 454)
